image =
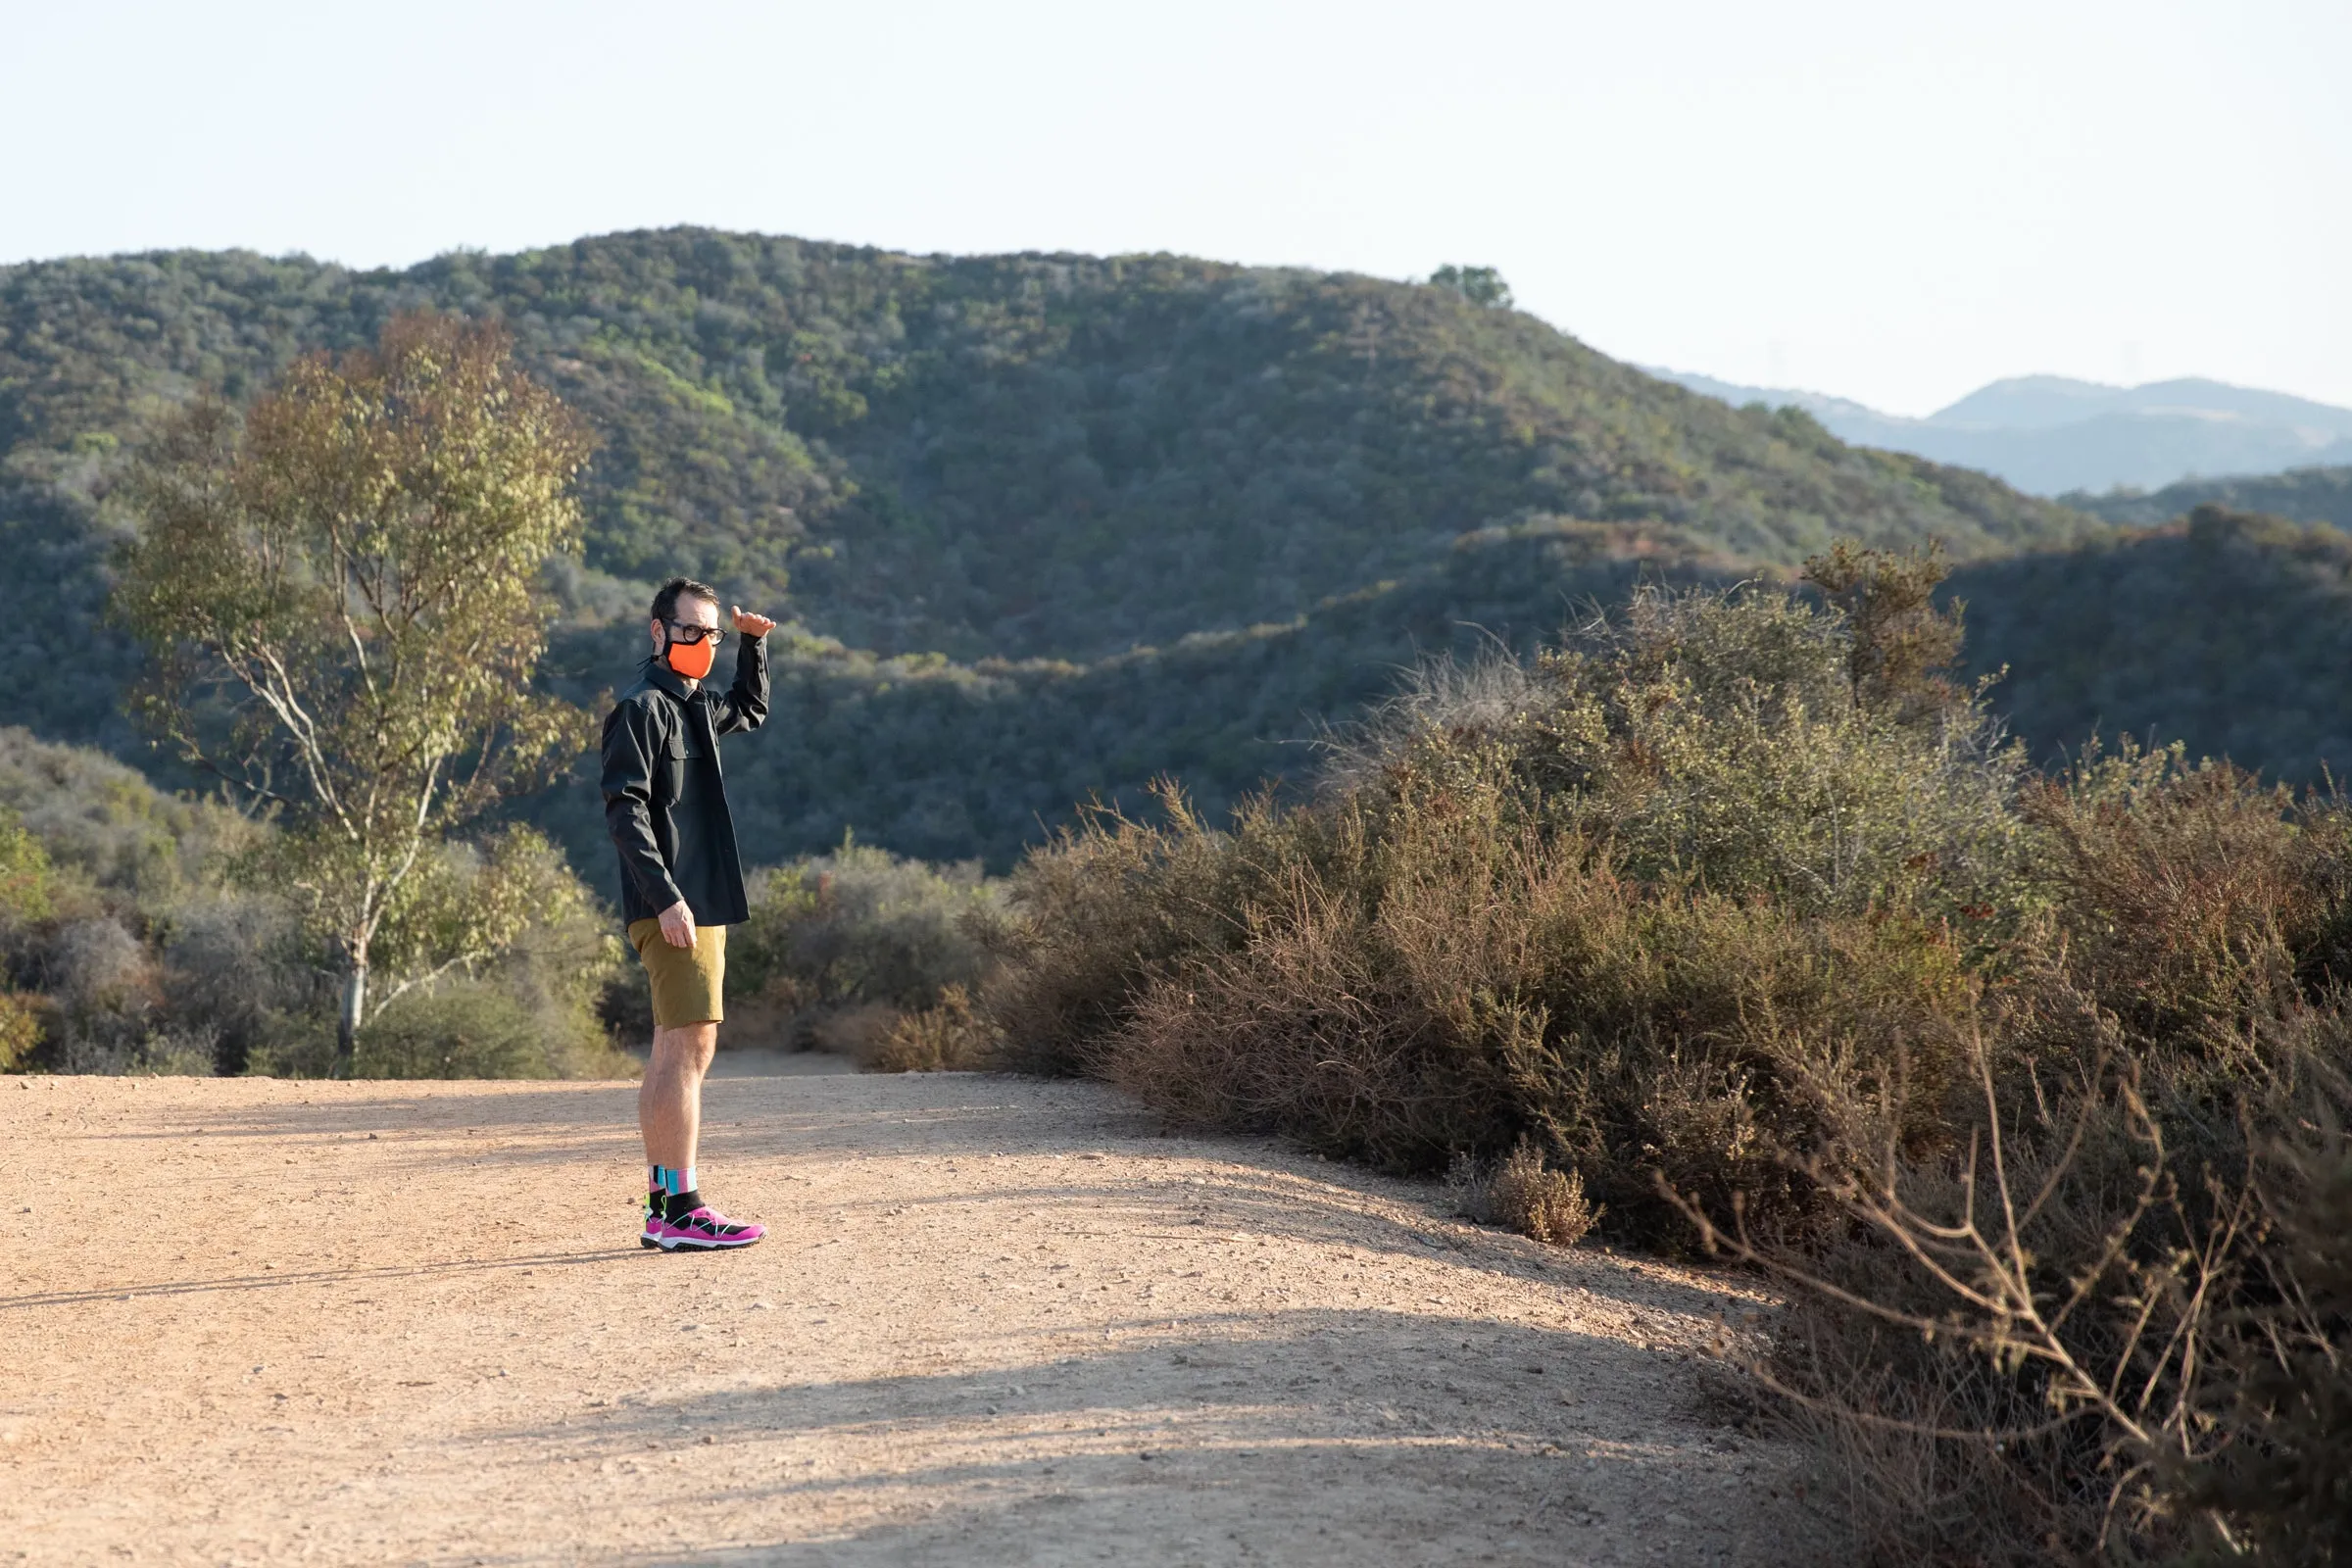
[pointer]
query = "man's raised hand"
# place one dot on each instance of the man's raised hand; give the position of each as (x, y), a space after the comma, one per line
(752, 626)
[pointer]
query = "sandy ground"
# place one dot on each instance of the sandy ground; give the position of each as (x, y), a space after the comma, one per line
(997, 1322)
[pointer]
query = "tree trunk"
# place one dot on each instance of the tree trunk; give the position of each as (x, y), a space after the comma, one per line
(349, 1015)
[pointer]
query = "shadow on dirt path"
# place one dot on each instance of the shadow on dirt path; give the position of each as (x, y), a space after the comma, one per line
(996, 1321)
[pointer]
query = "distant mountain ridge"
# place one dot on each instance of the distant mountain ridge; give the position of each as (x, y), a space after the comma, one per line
(2052, 435)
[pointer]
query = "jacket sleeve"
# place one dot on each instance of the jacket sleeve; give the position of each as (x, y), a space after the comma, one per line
(631, 753)
(745, 706)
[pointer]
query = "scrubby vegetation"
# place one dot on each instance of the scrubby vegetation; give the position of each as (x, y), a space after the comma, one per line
(140, 932)
(859, 951)
(2299, 495)
(2227, 631)
(1019, 454)
(1733, 922)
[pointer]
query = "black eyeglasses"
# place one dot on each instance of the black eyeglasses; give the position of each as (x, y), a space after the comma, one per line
(689, 634)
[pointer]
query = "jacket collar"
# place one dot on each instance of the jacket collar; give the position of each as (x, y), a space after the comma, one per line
(658, 675)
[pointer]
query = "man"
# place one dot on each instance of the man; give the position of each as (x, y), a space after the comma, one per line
(681, 885)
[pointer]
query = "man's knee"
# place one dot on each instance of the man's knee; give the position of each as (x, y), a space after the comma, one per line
(687, 1048)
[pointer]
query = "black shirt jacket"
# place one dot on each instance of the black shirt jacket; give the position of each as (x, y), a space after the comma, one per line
(666, 800)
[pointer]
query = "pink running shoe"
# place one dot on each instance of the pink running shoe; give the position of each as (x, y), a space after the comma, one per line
(705, 1230)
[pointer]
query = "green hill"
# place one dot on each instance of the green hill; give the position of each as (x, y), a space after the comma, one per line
(2299, 495)
(1028, 455)
(1046, 524)
(947, 761)
(2228, 631)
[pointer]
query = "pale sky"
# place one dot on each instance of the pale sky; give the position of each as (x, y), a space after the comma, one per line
(1893, 202)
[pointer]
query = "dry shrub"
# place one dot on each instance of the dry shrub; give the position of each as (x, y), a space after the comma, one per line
(1673, 895)
(1522, 1193)
(1456, 984)
(948, 1038)
(2281, 1473)
(855, 1031)
(1315, 1028)
(952, 1037)
(1383, 1003)
(1111, 903)
(1881, 1412)
(2031, 1093)
(2110, 1328)
(1947, 1366)
(2189, 896)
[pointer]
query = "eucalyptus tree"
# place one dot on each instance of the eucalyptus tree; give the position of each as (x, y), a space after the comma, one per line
(340, 593)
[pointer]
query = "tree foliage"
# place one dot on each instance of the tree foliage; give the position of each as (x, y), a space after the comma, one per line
(339, 595)
(2299, 495)
(1480, 285)
(1901, 640)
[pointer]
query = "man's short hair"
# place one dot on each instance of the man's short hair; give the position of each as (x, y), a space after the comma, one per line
(667, 597)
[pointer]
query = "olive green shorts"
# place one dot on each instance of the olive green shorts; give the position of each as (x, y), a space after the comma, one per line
(688, 982)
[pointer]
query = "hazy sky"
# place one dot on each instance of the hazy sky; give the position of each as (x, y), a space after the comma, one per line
(1893, 201)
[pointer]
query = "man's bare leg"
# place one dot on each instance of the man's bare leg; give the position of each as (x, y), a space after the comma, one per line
(670, 1113)
(669, 1096)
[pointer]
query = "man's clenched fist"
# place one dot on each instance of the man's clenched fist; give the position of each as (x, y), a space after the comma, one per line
(752, 626)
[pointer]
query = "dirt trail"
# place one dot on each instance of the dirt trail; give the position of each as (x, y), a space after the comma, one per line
(997, 1322)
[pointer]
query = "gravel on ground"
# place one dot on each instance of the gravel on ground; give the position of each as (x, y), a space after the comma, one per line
(996, 1321)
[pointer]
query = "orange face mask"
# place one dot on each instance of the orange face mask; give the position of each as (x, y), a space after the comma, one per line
(692, 660)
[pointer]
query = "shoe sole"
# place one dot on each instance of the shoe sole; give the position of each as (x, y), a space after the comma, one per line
(652, 1245)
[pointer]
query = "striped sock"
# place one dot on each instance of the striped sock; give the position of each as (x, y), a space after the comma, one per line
(670, 1180)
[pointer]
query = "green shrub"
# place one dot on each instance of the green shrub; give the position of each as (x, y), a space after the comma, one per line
(463, 1031)
(862, 925)
(151, 934)
(948, 1038)
(20, 1031)
(103, 827)
(1721, 739)
(479, 1029)
(844, 951)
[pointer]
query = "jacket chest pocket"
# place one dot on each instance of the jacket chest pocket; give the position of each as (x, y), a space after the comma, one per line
(678, 755)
